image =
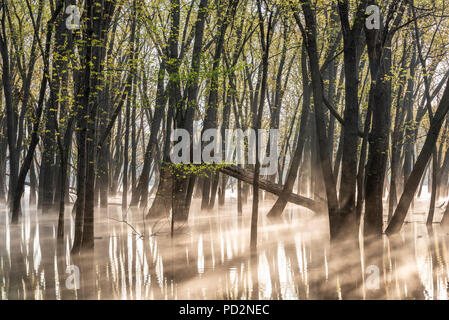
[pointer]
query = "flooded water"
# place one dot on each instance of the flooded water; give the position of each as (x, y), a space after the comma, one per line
(208, 258)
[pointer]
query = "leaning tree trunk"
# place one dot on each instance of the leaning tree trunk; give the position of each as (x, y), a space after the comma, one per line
(413, 181)
(281, 202)
(397, 136)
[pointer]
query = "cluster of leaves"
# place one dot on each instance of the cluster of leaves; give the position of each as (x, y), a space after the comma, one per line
(182, 170)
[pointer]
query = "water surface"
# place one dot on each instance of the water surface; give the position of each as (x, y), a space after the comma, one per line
(208, 258)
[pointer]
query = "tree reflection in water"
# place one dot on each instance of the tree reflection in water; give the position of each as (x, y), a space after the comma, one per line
(208, 258)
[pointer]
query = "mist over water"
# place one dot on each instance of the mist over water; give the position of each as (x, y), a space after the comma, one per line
(209, 258)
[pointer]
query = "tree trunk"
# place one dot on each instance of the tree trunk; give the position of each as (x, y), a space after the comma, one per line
(281, 202)
(412, 182)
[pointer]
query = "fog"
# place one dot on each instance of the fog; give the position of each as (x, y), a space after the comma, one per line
(209, 258)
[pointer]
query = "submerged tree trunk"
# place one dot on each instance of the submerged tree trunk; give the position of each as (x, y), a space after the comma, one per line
(265, 40)
(380, 56)
(309, 33)
(349, 137)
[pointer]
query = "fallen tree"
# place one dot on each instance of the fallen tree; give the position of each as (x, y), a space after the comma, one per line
(247, 175)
